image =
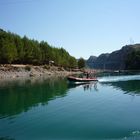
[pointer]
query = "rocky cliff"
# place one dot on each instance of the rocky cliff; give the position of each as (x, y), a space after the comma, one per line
(113, 61)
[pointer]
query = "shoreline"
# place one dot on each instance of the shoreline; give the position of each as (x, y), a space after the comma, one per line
(28, 71)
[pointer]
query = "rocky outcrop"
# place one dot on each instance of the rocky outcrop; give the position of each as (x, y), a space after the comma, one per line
(113, 61)
(90, 61)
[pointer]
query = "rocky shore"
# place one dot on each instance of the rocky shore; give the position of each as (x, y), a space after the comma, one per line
(27, 71)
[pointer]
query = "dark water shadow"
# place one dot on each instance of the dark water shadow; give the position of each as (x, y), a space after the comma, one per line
(131, 87)
(6, 138)
(19, 96)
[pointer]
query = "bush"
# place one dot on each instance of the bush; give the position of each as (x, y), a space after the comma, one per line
(28, 68)
(46, 67)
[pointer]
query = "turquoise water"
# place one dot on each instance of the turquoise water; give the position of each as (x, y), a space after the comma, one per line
(46, 109)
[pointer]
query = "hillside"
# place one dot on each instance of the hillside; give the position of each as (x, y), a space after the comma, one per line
(91, 60)
(128, 57)
(17, 50)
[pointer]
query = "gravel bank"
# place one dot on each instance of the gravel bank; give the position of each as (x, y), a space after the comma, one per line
(27, 71)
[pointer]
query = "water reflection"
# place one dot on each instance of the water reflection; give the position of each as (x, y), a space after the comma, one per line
(129, 87)
(86, 86)
(20, 96)
(99, 113)
(90, 86)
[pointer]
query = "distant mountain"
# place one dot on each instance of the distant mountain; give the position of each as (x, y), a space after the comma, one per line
(117, 60)
(91, 60)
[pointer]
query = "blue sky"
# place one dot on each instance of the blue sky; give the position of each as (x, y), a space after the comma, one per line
(82, 27)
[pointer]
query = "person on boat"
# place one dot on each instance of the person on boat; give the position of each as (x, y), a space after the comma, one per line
(87, 75)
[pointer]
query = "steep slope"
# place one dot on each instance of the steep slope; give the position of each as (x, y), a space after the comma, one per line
(90, 61)
(115, 60)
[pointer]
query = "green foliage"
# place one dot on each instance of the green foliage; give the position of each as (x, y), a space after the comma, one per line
(28, 68)
(72, 62)
(133, 60)
(19, 46)
(14, 49)
(81, 63)
(8, 50)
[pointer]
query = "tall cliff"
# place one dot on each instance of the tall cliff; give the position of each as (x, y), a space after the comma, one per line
(113, 61)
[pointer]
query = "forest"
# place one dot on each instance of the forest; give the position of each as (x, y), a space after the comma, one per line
(22, 50)
(133, 59)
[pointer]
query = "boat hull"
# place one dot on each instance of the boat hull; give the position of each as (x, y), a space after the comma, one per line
(76, 79)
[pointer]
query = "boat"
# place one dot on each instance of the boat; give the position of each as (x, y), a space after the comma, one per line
(77, 79)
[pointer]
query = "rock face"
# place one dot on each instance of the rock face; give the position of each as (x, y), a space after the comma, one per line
(91, 61)
(113, 61)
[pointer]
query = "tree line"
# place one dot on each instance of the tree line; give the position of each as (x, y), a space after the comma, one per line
(133, 59)
(22, 50)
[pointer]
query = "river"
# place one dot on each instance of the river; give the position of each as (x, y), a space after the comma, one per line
(46, 109)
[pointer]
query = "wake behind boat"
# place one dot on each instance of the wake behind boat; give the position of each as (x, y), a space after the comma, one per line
(77, 79)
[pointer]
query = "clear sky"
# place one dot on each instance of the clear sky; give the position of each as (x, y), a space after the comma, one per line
(82, 27)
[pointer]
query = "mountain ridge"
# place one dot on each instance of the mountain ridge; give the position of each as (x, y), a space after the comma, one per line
(115, 60)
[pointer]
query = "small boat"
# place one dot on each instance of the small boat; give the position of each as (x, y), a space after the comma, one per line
(77, 79)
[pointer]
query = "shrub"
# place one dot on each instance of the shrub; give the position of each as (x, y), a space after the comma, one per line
(28, 68)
